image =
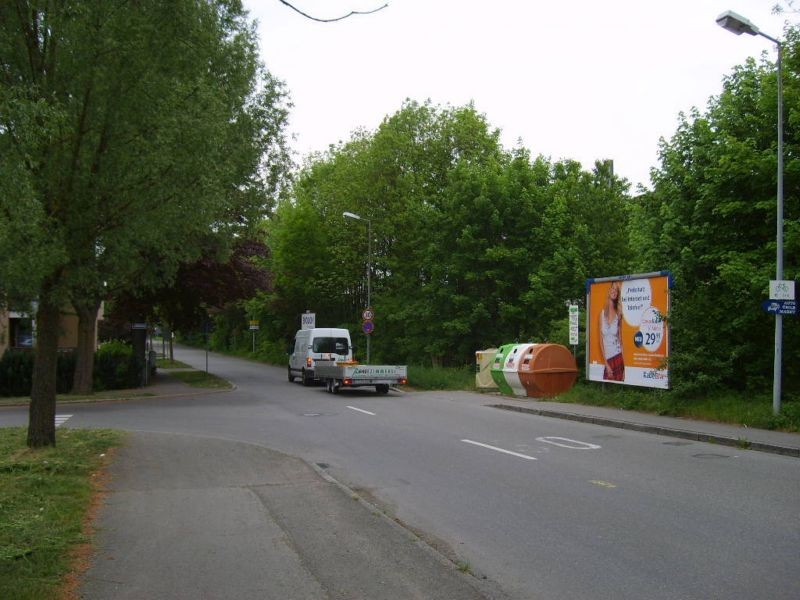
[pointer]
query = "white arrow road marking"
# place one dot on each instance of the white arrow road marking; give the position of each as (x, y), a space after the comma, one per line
(496, 449)
(61, 419)
(361, 410)
(568, 443)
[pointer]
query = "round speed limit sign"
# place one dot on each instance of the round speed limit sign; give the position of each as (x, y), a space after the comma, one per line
(368, 314)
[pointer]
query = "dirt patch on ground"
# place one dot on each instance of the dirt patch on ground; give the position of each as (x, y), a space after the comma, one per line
(80, 557)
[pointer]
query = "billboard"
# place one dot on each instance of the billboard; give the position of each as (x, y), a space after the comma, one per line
(627, 335)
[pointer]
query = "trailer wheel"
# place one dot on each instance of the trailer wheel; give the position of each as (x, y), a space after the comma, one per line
(335, 386)
(329, 386)
(306, 379)
(382, 388)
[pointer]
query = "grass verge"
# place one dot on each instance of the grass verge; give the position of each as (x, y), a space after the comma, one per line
(165, 363)
(45, 498)
(752, 410)
(69, 398)
(738, 408)
(201, 379)
(441, 378)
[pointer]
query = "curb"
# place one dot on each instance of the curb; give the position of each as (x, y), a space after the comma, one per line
(741, 443)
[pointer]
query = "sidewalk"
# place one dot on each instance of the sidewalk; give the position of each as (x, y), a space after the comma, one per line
(193, 517)
(704, 431)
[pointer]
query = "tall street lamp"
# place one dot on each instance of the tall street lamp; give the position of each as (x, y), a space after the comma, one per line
(349, 215)
(738, 24)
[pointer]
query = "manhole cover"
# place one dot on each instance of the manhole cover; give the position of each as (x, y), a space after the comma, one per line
(710, 455)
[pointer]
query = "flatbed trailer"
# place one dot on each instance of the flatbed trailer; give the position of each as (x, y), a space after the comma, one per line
(338, 375)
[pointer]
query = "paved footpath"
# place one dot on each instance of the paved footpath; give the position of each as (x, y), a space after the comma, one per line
(191, 517)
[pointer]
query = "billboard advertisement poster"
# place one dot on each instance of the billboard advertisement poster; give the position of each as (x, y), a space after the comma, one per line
(627, 339)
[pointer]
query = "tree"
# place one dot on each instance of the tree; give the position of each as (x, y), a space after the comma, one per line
(152, 125)
(472, 245)
(220, 278)
(711, 220)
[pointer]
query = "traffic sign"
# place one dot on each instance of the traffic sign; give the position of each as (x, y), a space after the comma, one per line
(780, 307)
(368, 314)
(308, 320)
(368, 327)
(574, 318)
(781, 290)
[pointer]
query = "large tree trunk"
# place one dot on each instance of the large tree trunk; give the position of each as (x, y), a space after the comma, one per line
(42, 415)
(83, 382)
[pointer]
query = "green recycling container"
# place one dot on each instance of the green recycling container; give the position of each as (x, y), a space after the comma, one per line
(497, 368)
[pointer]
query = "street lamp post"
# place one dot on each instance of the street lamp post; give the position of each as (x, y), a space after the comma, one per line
(349, 215)
(738, 24)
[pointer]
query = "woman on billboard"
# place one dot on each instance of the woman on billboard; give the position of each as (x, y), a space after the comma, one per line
(610, 334)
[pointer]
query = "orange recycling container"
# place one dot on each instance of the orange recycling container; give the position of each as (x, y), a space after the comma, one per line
(547, 370)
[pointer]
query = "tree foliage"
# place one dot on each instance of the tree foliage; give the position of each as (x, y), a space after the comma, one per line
(472, 245)
(153, 124)
(711, 220)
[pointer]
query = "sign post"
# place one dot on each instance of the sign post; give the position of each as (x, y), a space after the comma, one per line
(779, 290)
(574, 316)
(254, 327)
(367, 326)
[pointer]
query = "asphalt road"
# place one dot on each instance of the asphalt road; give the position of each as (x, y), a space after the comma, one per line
(543, 507)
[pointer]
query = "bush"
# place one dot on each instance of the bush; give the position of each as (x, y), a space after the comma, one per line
(115, 367)
(16, 372)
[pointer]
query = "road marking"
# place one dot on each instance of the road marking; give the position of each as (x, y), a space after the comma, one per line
(496, 449)
(61, 419)
(361, 410)
(602, 483)
(568, 443)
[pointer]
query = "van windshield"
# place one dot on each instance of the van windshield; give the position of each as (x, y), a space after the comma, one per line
(333, 345)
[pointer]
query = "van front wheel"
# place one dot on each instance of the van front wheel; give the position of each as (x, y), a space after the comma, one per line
(291, 377)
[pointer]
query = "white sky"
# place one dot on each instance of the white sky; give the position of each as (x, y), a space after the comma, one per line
(577, 79)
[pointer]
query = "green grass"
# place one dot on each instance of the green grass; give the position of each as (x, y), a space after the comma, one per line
(201, 379)
(739, 408)
(44, 498)
(165, 363)
(97, 396)
(441, 378)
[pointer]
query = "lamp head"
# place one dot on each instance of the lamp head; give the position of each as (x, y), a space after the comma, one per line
(736, 23)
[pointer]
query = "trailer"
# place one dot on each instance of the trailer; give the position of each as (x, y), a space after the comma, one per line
(338, 375)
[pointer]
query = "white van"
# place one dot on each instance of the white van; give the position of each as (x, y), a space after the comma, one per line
(321, 343)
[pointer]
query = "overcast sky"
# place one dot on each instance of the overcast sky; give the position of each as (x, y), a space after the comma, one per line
(578, 79)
